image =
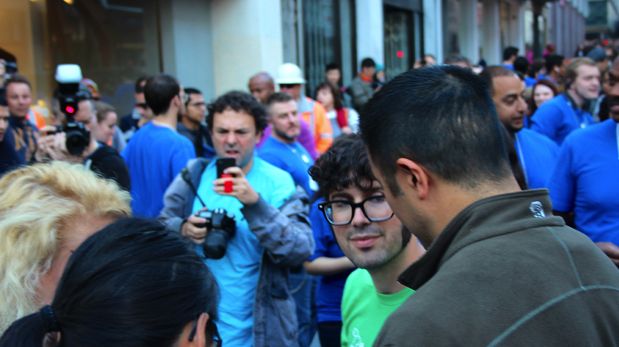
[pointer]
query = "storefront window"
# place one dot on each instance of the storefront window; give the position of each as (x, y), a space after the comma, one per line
(114, 42)
(398, 41)
(320, 38)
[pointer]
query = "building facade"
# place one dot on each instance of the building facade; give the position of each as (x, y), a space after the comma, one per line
(216, 45)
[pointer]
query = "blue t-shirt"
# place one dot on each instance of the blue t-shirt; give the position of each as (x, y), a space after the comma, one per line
(292, 158)
(529, 81)
(154, 156)
(586, 181)
(238, 271)
(537, 155)
(330, 288)
(557, 117)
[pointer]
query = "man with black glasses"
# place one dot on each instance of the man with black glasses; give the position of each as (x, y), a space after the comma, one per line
(369, 235)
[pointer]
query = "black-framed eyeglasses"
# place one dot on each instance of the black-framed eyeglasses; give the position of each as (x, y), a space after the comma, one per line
(211, 330)
(141, 105)
(341, 212)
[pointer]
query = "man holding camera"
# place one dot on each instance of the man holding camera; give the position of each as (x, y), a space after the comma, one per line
(272, 229)
(75, 143)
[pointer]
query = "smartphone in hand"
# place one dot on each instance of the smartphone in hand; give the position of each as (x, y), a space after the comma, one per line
(222, 164)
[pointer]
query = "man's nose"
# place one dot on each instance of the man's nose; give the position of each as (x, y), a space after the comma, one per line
(359, 218)
(522, 105)
(231, 138)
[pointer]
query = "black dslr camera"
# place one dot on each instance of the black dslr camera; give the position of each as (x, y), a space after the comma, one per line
(221, 228)
(68, 77)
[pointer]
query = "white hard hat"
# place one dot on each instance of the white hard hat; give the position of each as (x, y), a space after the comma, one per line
(289, 73)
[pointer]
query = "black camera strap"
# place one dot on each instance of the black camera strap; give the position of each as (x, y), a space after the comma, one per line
(186, 176)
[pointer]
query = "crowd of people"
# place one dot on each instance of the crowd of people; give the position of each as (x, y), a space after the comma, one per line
(452, 204)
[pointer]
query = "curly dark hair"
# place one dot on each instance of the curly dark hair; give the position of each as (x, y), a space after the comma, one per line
(239, 102)
(345, 164)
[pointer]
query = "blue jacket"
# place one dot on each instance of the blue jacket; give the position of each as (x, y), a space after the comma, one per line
(286, 237)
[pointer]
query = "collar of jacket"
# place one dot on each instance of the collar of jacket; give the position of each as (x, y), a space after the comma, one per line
(496, 215)
(17, 122)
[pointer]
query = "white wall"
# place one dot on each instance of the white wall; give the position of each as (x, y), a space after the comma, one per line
(469, 31)
(186, 43)
(491, 40)
(247, 38)
(433, 28)
(370, 31)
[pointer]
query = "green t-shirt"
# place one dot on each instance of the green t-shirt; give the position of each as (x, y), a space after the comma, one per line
(364, 310)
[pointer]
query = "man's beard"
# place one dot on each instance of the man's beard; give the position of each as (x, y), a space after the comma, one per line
(285, 136)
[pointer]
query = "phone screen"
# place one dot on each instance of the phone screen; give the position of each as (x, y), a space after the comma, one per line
(224, 163)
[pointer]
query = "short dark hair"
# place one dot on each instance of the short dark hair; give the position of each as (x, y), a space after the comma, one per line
(332, 66)
(17, 78)
(191, 91)
(344, 164)
(521, 65)
(509, 52)
(238, 101)
(443, 118)
(278, 97)
(495, 71)
(552, 61)
(133, 283)
(368, 62)
(159, 92)
(139, 84)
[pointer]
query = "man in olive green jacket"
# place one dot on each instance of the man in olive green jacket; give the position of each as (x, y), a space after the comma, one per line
(500, 269)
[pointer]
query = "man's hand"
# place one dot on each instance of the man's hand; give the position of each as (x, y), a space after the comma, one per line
(192, 231)
(611, 250)
(53, 146)
(241, 189)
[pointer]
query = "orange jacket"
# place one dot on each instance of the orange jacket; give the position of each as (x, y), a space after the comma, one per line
(315, 115)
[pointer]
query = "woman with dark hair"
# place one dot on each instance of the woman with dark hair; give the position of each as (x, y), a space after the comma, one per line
(343, 120)
(542, 91)
(131, 284)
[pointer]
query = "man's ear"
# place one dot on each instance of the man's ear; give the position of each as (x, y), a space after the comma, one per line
(200, 338)
(413, 176)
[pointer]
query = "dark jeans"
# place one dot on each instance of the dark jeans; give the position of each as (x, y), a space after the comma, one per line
(302, 286)
(329, 334)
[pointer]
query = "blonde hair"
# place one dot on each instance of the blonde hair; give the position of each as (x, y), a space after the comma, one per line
(35, 203)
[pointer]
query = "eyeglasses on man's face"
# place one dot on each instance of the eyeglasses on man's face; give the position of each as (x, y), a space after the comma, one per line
(341, 212)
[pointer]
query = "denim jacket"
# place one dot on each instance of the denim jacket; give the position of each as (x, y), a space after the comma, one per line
(286, 237)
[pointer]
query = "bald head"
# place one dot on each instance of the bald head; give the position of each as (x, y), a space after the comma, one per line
(261, 86)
